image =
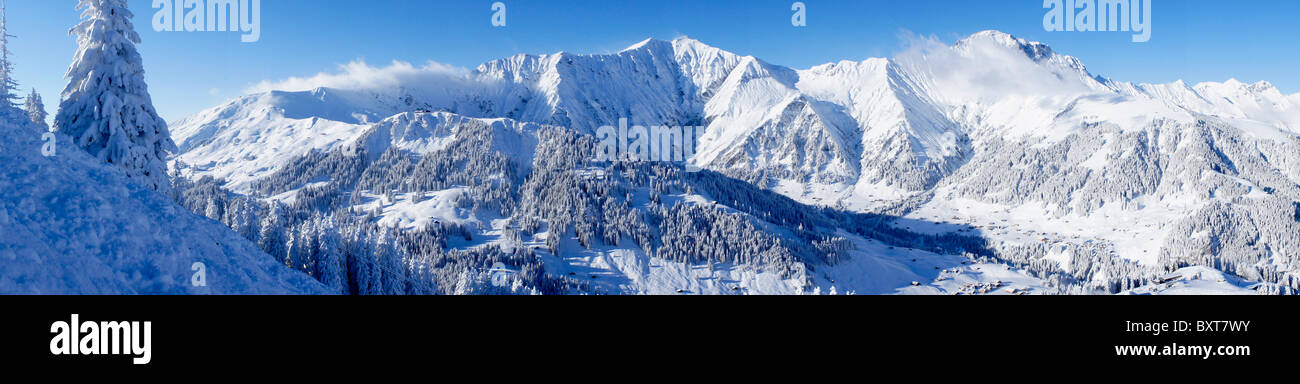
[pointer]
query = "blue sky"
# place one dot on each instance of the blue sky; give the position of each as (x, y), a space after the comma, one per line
(1194, 40)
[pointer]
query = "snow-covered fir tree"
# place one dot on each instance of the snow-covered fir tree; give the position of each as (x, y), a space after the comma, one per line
(8, 86)
(106, 107)
(36, 110)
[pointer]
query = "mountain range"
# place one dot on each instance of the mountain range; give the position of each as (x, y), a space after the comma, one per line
(992, 162)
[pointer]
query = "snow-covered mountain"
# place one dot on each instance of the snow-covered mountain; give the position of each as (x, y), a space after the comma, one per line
(74, 225)
(753, 110)
(1080, 181)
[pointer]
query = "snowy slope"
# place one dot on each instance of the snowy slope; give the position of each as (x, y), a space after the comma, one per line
(247, 138)
(1197, 281)
(420, 133)
(1258, 108)
(906, 143)
(75, 226)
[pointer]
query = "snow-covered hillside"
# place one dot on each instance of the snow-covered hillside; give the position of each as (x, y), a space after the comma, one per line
(73, 225)
(1083, 183)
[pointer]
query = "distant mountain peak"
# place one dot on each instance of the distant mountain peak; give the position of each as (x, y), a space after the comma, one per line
(993, 34)
(1263, 86)
(680, 44)
(650, 42)
(1035, 50)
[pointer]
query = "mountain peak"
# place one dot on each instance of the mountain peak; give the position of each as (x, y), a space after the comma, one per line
(1035, 50)
(1263, 86)
(641, 44)
(678, 44)
(1233, 83)
(999, 37)
(992, 34)
(652, 44)
(686, 41)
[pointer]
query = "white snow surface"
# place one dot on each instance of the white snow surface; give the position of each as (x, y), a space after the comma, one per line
(72, 225)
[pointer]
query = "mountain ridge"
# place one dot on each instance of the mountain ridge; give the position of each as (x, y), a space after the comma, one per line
(923, 128)
(994, 130)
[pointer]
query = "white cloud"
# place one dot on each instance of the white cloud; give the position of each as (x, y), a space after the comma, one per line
(359, 75)
(985, 69)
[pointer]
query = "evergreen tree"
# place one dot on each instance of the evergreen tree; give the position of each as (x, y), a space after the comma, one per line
(36, 110)
(330, 268)
(271, 237)
(106, 107)
(8, 86)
